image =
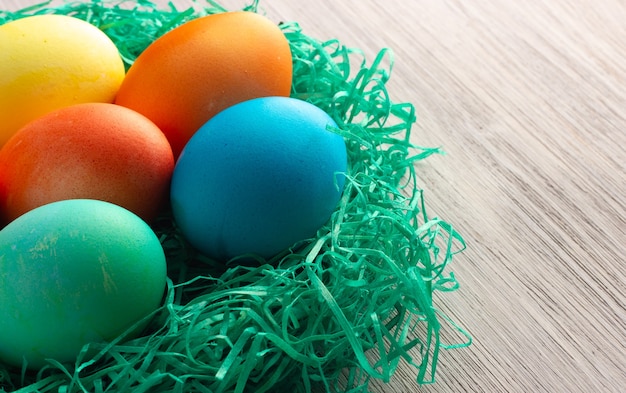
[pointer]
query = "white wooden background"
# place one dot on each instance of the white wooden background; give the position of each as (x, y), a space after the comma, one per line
(528, 99)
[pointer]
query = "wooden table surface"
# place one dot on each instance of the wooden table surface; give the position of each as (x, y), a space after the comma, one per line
(528, 99)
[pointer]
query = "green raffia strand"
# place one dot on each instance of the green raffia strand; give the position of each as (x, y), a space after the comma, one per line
(329, 314)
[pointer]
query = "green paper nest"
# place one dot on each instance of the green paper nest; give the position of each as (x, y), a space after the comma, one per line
(330, 313)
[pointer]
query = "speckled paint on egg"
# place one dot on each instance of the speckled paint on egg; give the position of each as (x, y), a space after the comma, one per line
(258, 177)
(94, 151)
(75, 272)
(204, 66)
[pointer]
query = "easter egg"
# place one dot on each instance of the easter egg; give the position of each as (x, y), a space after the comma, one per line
(51, 61)
(75, 272)
(89, 151)
(204, 66)
(258, 177)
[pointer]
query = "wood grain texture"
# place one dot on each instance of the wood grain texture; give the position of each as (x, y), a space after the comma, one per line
(528, 99)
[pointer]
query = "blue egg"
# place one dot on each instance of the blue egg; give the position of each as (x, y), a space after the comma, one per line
(258, 177)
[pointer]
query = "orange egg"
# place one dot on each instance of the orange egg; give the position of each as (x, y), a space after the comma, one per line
(87, 151)
(204, 66)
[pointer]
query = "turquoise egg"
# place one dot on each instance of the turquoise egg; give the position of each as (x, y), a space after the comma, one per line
(75, 272)
(258, 177)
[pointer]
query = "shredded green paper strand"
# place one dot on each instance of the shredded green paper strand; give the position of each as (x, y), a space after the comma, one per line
(327, 315)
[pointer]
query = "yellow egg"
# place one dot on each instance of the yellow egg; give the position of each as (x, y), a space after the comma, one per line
(51, 61)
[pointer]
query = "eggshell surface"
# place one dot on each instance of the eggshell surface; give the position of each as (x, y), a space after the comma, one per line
(204, 66)
(258, 177)
(75, 272)
(51, 61)
(92, 151)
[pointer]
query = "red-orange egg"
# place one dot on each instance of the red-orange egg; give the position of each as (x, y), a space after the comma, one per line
(86, 151)
(204, 66)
